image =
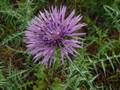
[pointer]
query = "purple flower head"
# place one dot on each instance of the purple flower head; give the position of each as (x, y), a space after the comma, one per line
(50, 30)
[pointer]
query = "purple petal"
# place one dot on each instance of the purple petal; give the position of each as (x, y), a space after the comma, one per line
(76, 34)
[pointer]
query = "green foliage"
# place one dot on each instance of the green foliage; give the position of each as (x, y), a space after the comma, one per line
(13, 78)
(113, 13)
(98, 58)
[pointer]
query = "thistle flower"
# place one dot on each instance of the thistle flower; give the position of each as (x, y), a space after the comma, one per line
(50, 30)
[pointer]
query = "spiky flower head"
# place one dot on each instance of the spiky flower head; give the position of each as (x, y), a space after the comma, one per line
(51, 30)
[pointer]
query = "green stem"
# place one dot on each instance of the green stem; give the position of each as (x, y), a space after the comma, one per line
(75, 6)
(67, 2)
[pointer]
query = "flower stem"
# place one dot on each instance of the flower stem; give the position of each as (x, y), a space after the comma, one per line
(75, 5)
